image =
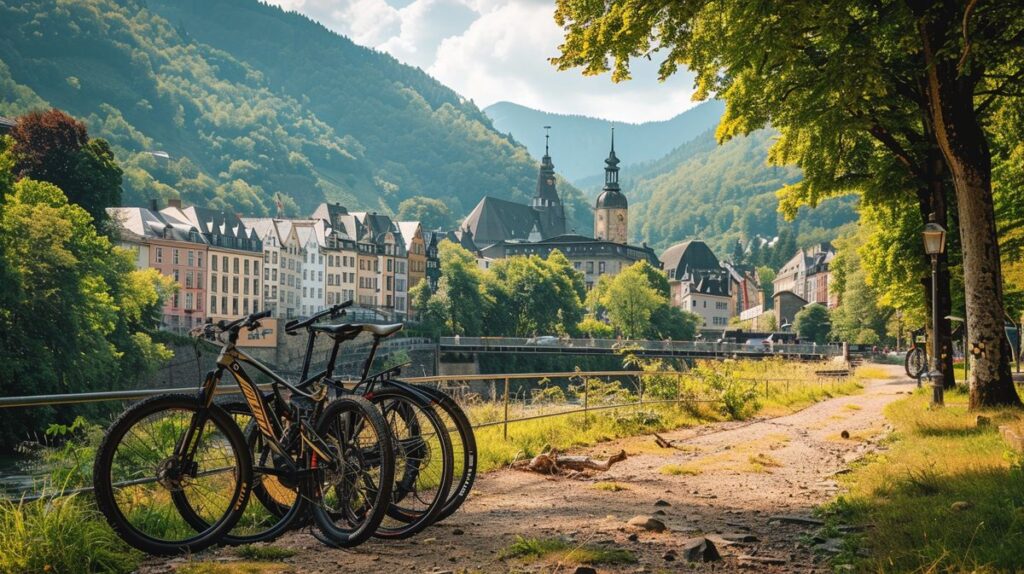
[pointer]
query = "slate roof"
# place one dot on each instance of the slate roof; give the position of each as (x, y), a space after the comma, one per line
(682, 259)
(220, 228)
(144, 223)
(494, 220)
(7, 124)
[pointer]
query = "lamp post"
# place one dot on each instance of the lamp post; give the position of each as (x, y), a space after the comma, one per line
(934, 245)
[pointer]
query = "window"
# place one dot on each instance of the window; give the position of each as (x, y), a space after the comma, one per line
(199, 278)
(224, 264)
(188, 301)
(694, 302)
(213, 263)
(234, 285)
(213, 283)
(188, 279)
(389, 266)
(235, 266)
(246, 266)
(213, 303)
(224, 285)
(266, 274)
(175, 275)
(320, 276)
(191, 258)
(273, 274)
(275, 258)
(590, 266)
(234, 305)
(576, 265)
(245, 286)
(159, 255)
(224, 305)
(600, 267)
(199, 262)
(176, 257)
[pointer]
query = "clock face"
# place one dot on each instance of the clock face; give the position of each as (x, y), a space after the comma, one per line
(551, 181)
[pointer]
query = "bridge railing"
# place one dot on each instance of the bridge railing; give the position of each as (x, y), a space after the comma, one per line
(702, 347)
(501, 400)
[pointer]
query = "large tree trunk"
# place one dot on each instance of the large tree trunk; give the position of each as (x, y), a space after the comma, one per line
(964, 145)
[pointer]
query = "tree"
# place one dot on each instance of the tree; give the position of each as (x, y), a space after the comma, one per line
(529, 296)
(430, 212)
(458, 290)
(669, 322)
(766, 281)
(860, 318)
(861, 92)
(812, 323)
(55, 147)
(73, 310)
(630, 301)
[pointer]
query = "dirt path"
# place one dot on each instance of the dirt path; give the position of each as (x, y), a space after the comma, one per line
(730, 480)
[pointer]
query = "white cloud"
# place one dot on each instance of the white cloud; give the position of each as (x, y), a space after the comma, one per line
(494, 50)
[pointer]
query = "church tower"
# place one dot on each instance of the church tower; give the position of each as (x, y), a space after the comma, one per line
(547, 204)
(611, 213)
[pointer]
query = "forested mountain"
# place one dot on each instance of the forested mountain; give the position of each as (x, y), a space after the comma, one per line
(721, 193)
(249, 101)
(580, 143)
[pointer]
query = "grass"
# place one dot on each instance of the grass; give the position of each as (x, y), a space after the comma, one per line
(255, 552)
(610, 486)
(762, 462)
(680, 470)
(205, 567)
(558, 550)
(64, 535)
(937, 458)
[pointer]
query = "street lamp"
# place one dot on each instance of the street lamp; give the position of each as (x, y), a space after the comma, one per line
(934, 245)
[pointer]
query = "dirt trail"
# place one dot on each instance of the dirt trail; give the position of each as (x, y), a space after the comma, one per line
(745, 473)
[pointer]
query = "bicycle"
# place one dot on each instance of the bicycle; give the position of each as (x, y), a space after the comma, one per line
(424, 424)
(916, 361)
(174, 472)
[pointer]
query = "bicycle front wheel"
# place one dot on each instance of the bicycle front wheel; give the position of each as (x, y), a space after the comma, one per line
(352, 490)
(166, 447)
(916, 363)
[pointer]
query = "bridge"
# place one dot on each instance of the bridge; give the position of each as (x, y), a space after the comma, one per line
(674, 349)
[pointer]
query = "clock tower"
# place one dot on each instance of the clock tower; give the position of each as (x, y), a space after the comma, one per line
(547, 204)
(611, 213)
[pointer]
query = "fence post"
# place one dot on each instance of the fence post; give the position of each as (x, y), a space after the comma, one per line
(505, 433)
(586, 398)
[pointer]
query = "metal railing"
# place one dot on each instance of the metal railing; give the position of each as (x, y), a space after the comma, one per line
(702, 347)
(515, 394)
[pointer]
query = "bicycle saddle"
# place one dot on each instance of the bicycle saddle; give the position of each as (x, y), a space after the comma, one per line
(350, 329)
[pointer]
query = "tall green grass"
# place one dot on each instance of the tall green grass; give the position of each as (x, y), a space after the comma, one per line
(938, 457)
(62, 535)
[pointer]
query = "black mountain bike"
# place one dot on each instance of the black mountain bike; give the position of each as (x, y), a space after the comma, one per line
(174, 472)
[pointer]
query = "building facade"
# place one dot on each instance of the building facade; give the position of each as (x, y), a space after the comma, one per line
(611, 212)
(698, 283)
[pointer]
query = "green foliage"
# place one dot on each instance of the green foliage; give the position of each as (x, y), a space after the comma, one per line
(556, 548)
(860, 319)
(595, 329)
(630, 301)
(431, 213)
(249, 100)
(812, 323)
(73, 310)
(722, 194)
(528, 296)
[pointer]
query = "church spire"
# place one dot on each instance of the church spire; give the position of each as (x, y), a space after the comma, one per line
(546, 202)
(611, 168)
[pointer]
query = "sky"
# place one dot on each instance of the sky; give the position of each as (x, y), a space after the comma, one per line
(498, 50)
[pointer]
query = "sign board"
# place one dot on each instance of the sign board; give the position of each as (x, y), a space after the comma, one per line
(263, 336)
(752, 313)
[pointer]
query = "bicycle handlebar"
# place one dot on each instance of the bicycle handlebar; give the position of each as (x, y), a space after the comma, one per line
(295, 324)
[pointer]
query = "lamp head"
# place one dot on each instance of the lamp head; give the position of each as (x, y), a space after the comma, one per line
(934, 239)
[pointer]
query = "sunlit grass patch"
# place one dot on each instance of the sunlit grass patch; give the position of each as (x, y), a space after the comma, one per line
(261, 552)
(762, 462)
(610, 486)
(680, 469)
(853, 407)
(556, 549)
(945, 497)
(206, 567)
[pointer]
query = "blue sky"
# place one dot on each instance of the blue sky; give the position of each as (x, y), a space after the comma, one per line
(493, 50)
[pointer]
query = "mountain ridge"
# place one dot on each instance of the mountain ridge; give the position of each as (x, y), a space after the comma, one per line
(581, 160)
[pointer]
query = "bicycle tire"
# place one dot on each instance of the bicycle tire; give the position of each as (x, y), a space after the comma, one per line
(915, 363)
(104, 483)
(415, 458)
(463, 445)
(270, 498)
(352, 412)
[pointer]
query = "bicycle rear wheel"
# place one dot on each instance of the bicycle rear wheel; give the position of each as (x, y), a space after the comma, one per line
(423, 461)
(139, 470)
(464, 453)
(277, 503)
(352, 491)
(915, 363)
